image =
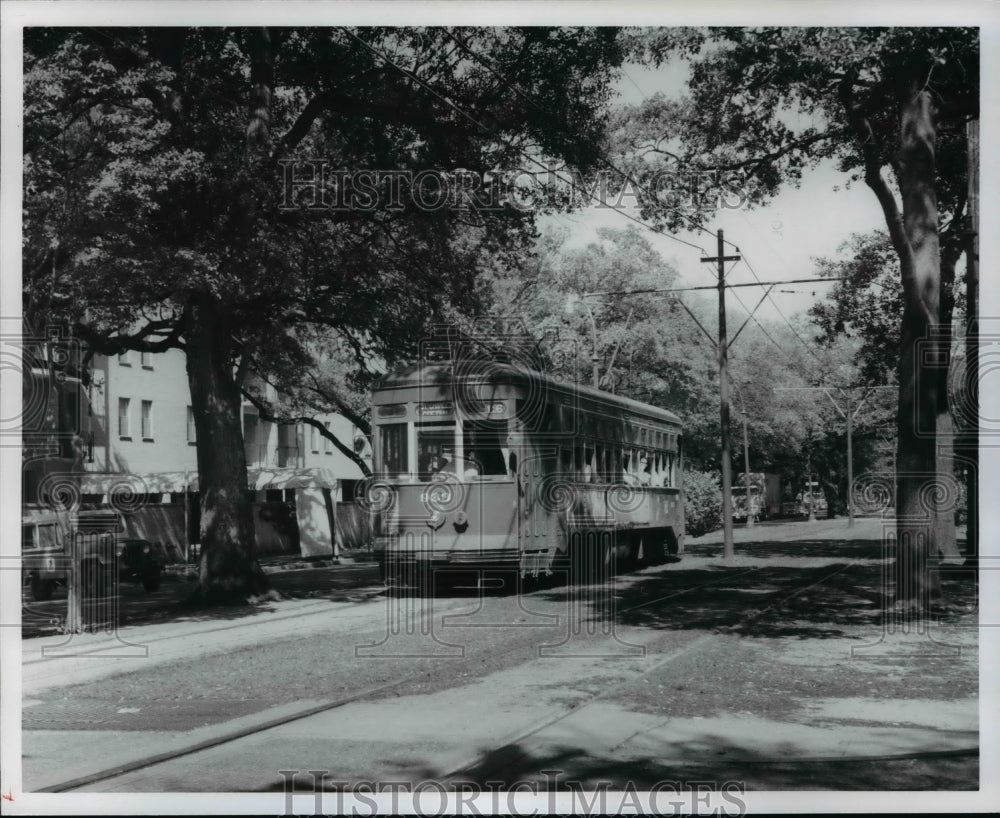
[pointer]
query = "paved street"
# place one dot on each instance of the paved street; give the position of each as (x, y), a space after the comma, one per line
(775, 671)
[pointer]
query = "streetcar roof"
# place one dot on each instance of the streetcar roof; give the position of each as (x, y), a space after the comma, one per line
(443, 374)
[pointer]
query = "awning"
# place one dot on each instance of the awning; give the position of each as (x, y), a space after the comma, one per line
(157, 483)
(263, 479)
(181, 481)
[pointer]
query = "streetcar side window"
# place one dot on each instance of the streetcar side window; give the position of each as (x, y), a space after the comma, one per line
(392, 448)
(670, 470)
(566, 461)
(48, 537)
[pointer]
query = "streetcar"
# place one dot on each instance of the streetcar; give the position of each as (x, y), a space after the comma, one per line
(495, 467)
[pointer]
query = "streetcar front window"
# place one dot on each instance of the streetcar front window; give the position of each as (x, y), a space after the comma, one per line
(484, 444)
(392, 448)
(436, 449)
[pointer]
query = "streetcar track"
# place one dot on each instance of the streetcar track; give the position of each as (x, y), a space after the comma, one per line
(225, 738)
(716, 581)
(512, 742)
(305, 610)
(574, 710)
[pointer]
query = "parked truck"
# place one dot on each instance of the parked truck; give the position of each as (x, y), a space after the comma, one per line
(765, 496)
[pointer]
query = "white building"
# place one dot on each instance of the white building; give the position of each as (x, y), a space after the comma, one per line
(139, 439)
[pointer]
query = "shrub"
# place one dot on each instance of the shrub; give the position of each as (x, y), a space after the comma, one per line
(962, 503)
(702, 502)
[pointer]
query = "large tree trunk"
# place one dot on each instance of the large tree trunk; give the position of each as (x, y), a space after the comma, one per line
(969, 407)
(228, 569)
(922, 355)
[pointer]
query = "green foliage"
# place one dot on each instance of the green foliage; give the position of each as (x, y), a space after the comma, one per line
(867, 304)
(702, 502)
(149, 178)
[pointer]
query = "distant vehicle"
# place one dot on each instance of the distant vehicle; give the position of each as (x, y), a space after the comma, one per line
(791, 508)
(46, 540)
(811, 498)
(765, 496)
(47, 537)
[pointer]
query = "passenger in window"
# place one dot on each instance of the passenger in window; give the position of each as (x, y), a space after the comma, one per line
(471, 465)
(645, 476)
(433, 466)
(446, 463)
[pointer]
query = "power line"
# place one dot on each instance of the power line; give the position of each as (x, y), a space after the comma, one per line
(783, 316)
(591, 196)
(760, 326)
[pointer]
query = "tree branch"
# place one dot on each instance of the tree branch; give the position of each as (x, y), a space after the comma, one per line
(869, 148)
(265, 412)
(797, 144)
(117, 344)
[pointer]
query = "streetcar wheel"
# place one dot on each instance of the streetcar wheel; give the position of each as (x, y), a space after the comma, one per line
(151, 580)
(41, 589)
(652, 551)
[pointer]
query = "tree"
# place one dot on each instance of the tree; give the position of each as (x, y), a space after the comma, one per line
(767, 103)
(165, 204)
(866, 304)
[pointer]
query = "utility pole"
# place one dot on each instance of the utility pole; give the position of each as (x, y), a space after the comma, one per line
(850, 459)
(727, 495)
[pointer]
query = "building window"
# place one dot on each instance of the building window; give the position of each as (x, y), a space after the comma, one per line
(314, 438)
(123, 411)
(190, 425)
(327, 443)
(146, 359)
(125, 358)
(147, 419)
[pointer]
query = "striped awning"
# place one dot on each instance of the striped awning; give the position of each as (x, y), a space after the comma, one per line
(185, 481)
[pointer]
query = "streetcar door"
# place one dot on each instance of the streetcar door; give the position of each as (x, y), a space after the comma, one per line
(535, 515)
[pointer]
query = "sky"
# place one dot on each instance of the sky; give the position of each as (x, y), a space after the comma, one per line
(778, 242)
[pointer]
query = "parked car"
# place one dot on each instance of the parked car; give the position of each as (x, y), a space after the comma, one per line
(792, 508)
(141, 561)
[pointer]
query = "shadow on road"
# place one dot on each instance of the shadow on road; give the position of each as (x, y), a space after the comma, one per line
(805, 589)
(714, 763)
